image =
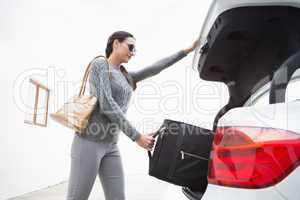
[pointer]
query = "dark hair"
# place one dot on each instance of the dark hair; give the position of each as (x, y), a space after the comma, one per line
(118, 35)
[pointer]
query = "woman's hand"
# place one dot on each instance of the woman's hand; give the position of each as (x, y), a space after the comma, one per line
(192, 47)
(146, 141)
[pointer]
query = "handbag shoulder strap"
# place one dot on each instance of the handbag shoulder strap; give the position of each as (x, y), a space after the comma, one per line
(86, 74)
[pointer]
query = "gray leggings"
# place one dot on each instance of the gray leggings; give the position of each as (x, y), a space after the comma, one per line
(89, 159)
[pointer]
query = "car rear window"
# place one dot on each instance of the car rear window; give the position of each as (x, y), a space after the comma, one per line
(261, 97)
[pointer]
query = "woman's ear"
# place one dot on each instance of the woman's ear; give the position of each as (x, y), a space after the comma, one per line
(116, 44)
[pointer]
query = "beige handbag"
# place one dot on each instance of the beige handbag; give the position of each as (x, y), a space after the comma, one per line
(76, 112)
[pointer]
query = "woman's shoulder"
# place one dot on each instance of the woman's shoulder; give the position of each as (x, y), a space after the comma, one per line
(99, 62)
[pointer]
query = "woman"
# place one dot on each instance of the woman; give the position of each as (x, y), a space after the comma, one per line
(97, 152)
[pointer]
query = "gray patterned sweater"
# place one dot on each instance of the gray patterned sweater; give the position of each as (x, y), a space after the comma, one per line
(113, 90)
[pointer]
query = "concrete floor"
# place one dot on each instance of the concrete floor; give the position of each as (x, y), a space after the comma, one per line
(138, 187)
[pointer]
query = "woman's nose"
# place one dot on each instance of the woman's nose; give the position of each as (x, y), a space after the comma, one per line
(132, 53)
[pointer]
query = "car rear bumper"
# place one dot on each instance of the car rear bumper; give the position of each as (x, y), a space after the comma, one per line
(226, 193)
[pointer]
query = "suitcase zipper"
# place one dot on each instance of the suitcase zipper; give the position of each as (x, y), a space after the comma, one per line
(191, 155)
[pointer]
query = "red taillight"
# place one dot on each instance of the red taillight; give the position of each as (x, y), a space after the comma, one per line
(248, 157)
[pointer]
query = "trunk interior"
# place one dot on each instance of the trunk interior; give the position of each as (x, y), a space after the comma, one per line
(245, 46)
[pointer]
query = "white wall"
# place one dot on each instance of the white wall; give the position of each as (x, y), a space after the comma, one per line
(53, 41)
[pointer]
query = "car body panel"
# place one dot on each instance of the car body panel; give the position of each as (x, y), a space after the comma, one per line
(289, 187)
(281, 116)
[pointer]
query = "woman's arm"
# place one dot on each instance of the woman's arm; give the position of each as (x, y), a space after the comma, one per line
(162, 64)
(99, 81)
(157, 67)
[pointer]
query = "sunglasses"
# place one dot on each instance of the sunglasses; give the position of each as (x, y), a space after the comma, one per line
(131, 48)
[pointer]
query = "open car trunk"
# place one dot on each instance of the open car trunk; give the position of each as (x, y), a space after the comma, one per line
(244, 47)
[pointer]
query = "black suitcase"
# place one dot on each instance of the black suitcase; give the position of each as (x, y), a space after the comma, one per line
(181, 154)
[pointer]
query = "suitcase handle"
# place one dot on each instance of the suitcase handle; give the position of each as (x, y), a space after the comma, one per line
(160, 130)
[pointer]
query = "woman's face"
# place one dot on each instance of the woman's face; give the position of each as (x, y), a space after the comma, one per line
(126, 49)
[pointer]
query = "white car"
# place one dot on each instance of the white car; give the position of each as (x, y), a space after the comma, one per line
(253, 46)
